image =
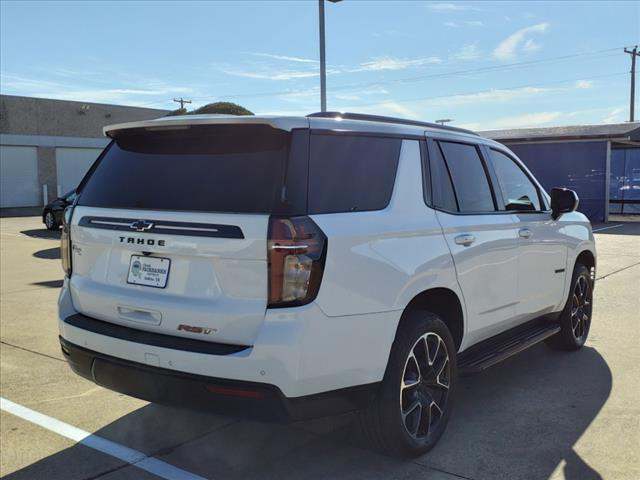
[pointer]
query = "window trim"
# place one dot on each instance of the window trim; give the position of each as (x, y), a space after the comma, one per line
(427, 177)
(478, 147)
(541, 199)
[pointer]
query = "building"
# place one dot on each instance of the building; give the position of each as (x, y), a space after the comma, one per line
(600, 162)
(46, 146)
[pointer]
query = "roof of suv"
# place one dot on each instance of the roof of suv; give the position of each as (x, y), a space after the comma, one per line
(338, 121)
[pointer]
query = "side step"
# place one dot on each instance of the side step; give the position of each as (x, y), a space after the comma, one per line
(494, 350)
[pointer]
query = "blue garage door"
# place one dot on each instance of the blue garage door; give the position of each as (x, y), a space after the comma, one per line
(580, 166)
(624, 185)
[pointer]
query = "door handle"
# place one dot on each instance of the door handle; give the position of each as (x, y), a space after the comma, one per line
(525, 232)
(465, 239)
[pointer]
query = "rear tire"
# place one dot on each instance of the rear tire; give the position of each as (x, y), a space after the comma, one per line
(411, 410)
(50, 221)
(575, 319)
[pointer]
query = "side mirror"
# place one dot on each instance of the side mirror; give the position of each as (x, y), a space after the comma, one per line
(563, 200)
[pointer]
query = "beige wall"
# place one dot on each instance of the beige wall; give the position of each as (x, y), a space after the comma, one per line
(40, 116)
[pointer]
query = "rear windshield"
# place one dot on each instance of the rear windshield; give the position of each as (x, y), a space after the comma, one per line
(222, 168)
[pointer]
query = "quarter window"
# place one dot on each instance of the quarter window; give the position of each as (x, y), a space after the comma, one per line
(518, 192)
(349, 173)
(469, 177)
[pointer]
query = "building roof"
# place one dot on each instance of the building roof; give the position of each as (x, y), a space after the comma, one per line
(614, 131)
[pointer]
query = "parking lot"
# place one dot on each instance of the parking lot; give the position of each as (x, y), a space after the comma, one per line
(541, 414)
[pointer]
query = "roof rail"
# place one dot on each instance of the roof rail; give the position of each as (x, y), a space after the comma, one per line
(383, 119)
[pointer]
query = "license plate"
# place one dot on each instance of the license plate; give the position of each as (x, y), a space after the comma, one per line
(148, 271)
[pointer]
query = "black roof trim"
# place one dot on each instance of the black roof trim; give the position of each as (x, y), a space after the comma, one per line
(382, 119)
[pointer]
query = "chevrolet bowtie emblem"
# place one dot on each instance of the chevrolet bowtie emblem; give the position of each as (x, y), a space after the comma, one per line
(141, 225)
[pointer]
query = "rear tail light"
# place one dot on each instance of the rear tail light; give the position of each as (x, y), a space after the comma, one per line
(296, 250)
(65, 241)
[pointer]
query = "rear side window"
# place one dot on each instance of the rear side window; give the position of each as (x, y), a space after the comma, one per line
(222, 168)
(469, 178)
(518, 192)
(351, 173)
(444, 197)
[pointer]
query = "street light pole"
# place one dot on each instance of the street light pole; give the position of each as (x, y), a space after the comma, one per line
(323, 67)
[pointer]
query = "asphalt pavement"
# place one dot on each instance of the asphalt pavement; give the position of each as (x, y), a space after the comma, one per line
(541, 414)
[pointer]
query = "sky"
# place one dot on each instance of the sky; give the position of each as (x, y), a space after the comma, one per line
(481, 64)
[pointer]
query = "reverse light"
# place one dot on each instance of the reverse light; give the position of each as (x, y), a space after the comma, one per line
(65, 241)
(296, 252)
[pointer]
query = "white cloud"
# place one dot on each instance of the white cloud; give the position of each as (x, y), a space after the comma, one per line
(489, 96)
(615, 116)
(450, 7)
(508, 48)
(464, 23)
(390, 63)
(539, 119)
(21, 85)
(387, 108)
(284, 57)
(272, 74)
(357, 95)
(469, 51)
(583, 84)
(530, 46)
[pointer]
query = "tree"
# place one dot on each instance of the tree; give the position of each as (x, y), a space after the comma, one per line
(227, 108)
(179, 111)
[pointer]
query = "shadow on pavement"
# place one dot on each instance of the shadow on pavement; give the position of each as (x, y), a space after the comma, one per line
(42, 233)
(49, 283)
(518, 420)
(48, 254)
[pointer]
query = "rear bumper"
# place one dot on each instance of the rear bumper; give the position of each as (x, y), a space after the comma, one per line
(300, 351)
(228, 397)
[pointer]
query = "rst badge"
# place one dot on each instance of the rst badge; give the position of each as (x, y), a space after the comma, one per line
(196, 329)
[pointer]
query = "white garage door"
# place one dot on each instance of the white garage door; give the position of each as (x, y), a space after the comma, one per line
(72, 164)
(19, 177)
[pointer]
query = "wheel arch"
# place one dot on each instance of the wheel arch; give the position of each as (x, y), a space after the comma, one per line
(587, 258)
(443, 302)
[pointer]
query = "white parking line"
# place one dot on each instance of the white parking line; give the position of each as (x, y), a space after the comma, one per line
(126, 454)
(607, 228)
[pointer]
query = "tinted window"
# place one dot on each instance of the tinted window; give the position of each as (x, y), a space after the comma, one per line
(225, 168)
(443, 195)
(518, 192)
(469, 178)
(351, 173)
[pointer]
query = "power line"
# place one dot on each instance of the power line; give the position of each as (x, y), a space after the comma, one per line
(501, 89)
(489, 68)
(485, 69)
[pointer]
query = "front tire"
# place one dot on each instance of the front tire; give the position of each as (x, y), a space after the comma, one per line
(50, 221)
(412, 408)
(575, 319)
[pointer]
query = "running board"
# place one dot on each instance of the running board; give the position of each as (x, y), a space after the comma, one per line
(494, 350)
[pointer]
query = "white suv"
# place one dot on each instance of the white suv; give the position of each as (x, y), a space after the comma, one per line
(294, 267)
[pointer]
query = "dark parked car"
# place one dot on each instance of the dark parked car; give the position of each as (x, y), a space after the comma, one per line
(54, 211)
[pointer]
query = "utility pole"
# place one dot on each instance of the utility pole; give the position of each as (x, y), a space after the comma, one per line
(323, 67)
(634, 53)
(181, 101)
(323, 64)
